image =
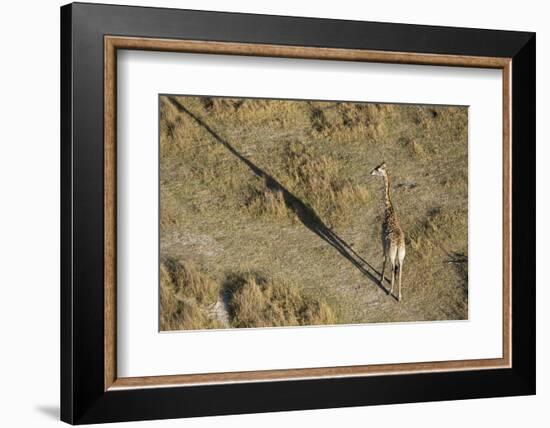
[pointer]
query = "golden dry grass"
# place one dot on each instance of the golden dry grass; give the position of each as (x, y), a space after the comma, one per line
(276, 187)
(256, 301)
(185, 295)
(317, 178)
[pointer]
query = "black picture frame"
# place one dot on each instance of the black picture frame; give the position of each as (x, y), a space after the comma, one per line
(83, 398)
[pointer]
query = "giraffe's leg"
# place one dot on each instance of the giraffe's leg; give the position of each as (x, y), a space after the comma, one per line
(400, 266)
(400, 258)
(392, 254)
(383, 270)
(392, 277)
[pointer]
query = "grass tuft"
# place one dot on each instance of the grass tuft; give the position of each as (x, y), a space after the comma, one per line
(264, 202)
(256, 301)
(185, 297)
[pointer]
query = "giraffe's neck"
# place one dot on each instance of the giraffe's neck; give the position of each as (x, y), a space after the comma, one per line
(389, 206)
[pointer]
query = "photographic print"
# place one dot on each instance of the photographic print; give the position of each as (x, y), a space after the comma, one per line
(278, 213)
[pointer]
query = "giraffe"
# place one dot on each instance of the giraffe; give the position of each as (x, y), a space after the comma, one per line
(393, 238)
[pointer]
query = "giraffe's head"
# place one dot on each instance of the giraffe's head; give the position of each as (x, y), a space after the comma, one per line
(380, 170)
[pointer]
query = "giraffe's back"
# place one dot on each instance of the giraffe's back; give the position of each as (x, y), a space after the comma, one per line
(391, 230)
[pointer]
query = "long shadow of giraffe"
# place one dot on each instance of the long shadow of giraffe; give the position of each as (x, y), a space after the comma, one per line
(305, 214)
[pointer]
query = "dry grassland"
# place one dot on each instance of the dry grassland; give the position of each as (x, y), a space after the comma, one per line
(269, 216)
